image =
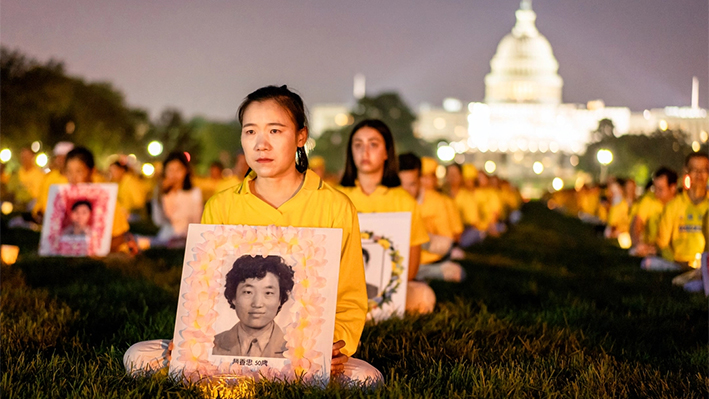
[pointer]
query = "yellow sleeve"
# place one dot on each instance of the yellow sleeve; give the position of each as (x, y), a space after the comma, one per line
(351, 311)
(643, 209)
(212, 213)
(418, 229)
(454, 215)
(664, 231)
(442, 221)
(120, 222)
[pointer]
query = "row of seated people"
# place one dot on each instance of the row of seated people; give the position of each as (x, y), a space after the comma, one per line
(666, 225)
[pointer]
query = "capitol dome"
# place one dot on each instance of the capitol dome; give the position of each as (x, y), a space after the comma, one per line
(524, 69)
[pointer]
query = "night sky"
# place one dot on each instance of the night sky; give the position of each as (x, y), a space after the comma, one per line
(203, 57)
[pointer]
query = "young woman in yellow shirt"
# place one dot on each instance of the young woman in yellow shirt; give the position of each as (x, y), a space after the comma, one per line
(280, 190)
(372, 182)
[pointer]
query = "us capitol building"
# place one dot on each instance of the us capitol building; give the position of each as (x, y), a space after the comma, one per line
(523, 121)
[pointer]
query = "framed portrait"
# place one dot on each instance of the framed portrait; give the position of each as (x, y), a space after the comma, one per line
(385, 253)
(257, 301)
(78, 219)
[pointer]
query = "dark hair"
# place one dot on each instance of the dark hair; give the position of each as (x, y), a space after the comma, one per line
(455, 165)
(409, 161)
(79, 203)
(391, 164)
(695, 155)
(181, 158)
(120, 165)
(256, 267)
(292, 103)
(670, 174)
(365, 255)
(82, 154)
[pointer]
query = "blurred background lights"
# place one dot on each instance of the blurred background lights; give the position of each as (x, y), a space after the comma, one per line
(7, 207)
(42, 160)
(624, 240)
(36, 146)
(188, 156)
(5, 155)
(155, 148)
(148, 169)
(445, 153)
(490, 167)
(538, 168)
(341, 119)
(452, 105)
(604, 157)
(696, 146)
(574, 160)
(557, 183)
(663, 125)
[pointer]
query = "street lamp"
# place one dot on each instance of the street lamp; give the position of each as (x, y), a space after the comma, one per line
(604, 157)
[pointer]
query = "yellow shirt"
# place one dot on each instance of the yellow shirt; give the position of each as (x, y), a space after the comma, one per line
(619, 217)
(681, 228)
(316, 204)
(207, 185)
(32, 180)
(131, 192)
(385, 199)
(456, 222)
(467, 204)
(435, 219)
(649, 209)
(489, 206)
(227, 183)
(120, 221)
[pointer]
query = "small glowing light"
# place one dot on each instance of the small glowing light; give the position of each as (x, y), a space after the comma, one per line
(440, 171)
(9, 253)
(188, 156)
(41, 160)
(7, 207)
(543, 147)
(503, 146)
(703, 136)
(580, 182)
(460, 131)
(439, 123)
(604, 156)
(518, 156)
(148, 169)
(70, 127)
(646, 114)
(490, 166)
(5, 155)
(471, 142)
(452, 105)
(574, 160)
(341, 119)
(36, 146)
(687, 182)
(624, 240)
(547, 162)
(557, 183)
(533, 146)
(445, 153)
(553, 147)
(155, 148)
(663, 125)
(460, 158)
(696, 146)
(132, 157)
(538, 168)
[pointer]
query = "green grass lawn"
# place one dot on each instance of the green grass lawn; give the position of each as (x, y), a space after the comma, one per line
(548, 310)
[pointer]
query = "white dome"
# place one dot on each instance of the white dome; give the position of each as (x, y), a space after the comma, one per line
(524, 69)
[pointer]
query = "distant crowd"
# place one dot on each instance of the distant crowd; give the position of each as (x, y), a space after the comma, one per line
(666, 224)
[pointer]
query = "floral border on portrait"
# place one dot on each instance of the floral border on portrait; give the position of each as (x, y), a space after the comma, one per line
(99, 198)
(206, 282)
(397, 269)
